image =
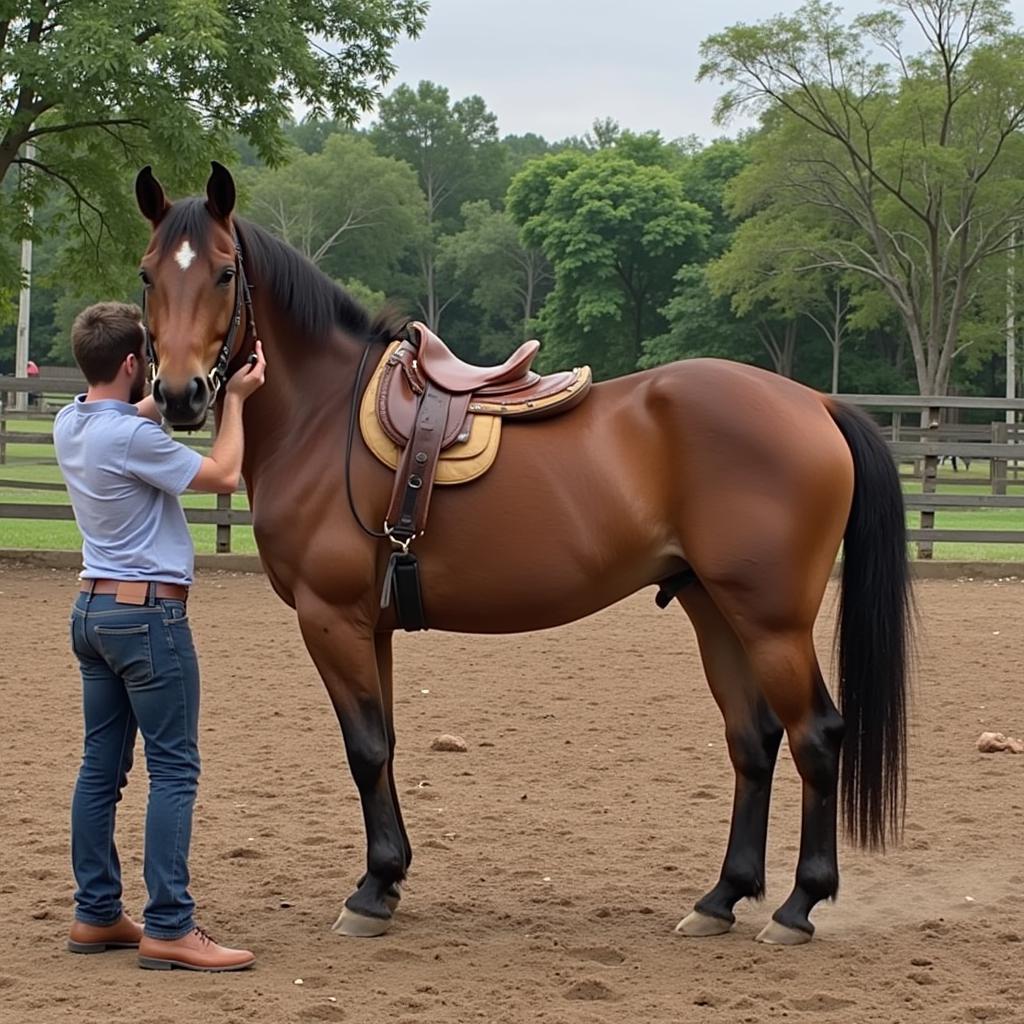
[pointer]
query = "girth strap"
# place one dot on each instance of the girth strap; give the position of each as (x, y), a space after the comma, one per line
(414, 481)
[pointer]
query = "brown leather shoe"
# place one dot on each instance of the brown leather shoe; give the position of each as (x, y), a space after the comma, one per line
(93, 938)
(193, 952)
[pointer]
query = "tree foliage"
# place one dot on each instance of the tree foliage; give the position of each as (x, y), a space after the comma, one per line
(615, 232)
(908, 171)
(504, 279)
(100, 87)
(350, 210)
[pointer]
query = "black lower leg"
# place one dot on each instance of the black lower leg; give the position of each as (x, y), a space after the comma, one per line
(816, 752)
(368, 749)
(385, 670)
(394, 891)
(753, 750)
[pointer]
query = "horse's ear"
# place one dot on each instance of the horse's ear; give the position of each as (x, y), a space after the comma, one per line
(149, 194)
(220, 192)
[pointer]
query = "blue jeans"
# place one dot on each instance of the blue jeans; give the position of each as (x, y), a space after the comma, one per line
(139, 672)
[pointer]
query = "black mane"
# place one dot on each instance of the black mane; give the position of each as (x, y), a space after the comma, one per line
(305, 293)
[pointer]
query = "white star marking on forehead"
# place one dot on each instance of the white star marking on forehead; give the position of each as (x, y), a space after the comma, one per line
(185, 255)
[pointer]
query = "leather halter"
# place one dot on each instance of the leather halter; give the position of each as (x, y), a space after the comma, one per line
(243, 293)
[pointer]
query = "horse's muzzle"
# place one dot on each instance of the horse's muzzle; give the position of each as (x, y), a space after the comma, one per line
(185, 409)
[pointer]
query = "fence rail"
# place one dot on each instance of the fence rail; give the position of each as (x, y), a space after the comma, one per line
(917, 448)
(55, 390)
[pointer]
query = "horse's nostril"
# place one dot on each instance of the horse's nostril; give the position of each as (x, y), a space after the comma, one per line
(197, 391)
(158, 392)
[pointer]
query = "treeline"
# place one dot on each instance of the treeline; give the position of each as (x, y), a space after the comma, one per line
(862, 238)
(608, 247)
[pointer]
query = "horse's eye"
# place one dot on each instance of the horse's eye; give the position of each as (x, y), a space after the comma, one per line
(146, 282)
(226, 276)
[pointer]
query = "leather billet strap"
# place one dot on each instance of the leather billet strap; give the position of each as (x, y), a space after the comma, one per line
(414, 481)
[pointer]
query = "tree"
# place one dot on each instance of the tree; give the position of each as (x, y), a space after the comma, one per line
(521, 149)
(504, 279)
(701, 323)
(99, 87)
(910, 171)
(706, 176)
(454, 149)
(348, 209)
(763, 274)
(615, 232)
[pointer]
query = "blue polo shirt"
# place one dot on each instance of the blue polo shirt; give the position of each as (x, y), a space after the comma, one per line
(124, 475)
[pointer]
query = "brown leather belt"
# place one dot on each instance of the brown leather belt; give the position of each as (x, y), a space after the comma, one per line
(136, 591)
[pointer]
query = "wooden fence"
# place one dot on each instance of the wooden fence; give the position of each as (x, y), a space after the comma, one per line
(53, 390)
(918, 432)
(919, 448)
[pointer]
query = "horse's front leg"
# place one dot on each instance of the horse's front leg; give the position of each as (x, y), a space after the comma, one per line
(385, 672)
(346, 656)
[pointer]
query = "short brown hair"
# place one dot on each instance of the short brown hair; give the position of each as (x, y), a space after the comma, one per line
(103, 336)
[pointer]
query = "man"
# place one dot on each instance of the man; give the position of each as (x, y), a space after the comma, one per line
(131, 636)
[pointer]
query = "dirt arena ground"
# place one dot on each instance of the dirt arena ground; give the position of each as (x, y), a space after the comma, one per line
(553, 859)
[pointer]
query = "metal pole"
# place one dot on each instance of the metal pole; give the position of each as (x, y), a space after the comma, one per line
(1011, 326)
(24, 300)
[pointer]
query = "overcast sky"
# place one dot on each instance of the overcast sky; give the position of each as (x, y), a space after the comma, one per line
(553, 66)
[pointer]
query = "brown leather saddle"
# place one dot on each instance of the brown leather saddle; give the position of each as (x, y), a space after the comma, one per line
(436, 419)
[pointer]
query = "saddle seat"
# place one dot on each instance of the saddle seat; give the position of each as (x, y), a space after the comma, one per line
(448, 371)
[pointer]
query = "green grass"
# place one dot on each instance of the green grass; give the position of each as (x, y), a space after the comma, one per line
(34, 463)
(973, 519)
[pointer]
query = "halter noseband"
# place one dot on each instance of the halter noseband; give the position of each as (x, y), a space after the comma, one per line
(243, 293)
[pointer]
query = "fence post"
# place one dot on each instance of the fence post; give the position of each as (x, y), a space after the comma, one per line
(997, 467)
(223, 545)
(3, 427)
(223, 529)
(928, 481)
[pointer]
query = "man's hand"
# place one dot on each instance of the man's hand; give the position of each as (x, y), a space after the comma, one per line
(147, 407)
(250, 377)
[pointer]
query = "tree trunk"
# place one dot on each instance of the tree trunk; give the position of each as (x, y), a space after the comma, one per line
(788, 350)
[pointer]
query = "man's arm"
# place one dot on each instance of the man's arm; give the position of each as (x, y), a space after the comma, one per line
(220, 470)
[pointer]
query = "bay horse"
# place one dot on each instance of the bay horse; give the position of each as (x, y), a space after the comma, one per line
(727, 485)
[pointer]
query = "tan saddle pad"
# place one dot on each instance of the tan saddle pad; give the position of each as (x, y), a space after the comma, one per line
(469, 457)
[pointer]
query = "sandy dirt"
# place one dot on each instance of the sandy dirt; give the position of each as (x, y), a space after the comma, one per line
(553, 858)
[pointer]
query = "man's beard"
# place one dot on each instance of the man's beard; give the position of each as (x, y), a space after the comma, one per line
(138, 391)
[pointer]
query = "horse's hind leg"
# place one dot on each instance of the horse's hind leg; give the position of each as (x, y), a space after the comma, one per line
(815, 739)
(347, 659)
(753, 734)
(787, 671)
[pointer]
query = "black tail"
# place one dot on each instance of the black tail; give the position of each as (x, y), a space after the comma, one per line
(875, 625)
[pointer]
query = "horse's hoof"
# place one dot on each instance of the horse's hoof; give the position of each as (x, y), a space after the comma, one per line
(360, 926)
(698, 926)
(776, 934)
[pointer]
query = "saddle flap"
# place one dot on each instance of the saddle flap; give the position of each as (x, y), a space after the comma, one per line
(398, 402)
